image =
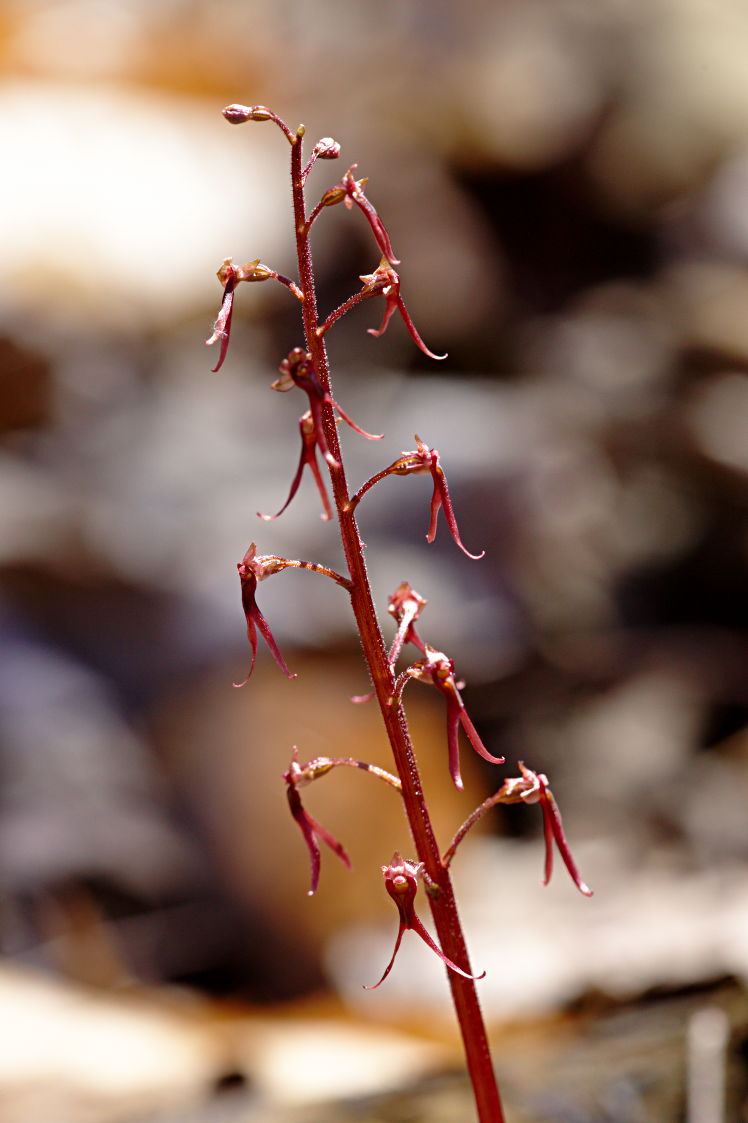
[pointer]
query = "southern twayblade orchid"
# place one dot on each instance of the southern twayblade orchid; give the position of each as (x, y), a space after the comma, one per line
(401, 882)
(230, 275)
(424, 459)
(405, 605)
(253, 568)
(386, 281)
(530, 787)
(298, 776)
(350, 191)
(297, 369)
(439, 670)
(256, 567)
(308, 457)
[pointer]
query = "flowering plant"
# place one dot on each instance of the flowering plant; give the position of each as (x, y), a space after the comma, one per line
(307, 368)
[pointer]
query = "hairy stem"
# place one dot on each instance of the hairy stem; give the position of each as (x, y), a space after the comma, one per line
(442, 898)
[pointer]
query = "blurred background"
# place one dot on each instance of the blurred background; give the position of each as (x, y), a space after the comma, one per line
(566, 184)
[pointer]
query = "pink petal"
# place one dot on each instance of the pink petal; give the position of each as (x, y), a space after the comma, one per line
(440, 484)
(377, 227)
(418, 927)
(389, 310)
(388, 968)
(454, 711)
(251, 631)
(553, 830)
(349, 421)
(222, 329)
(475, 741)
(412, 331)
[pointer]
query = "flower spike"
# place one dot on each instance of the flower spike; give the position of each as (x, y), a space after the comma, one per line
(296, 776)
(297, 369)
(438, 670)
(424, 459)
(386, 281)
(401, 882)
(309, 445)
(253, 568)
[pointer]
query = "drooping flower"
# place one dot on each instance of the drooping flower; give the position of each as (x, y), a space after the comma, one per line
(297, 776)
(439, 670)
(424, 459)
(230, 275)
(297, 369)
(405, 605)
(530, 787)
(401, 882)
(253, 568)
(350, 191)
(386, 281)
(308, 457)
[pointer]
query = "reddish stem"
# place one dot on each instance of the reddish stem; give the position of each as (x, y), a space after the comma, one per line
(442, 899)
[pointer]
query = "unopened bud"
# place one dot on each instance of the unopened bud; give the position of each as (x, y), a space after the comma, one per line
(327, 148)
(238, 114)
(333, 196)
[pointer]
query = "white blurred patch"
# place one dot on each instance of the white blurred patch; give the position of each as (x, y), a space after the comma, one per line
(122, 205)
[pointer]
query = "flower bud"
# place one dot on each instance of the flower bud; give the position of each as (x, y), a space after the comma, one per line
(238, 114)
(327, 149)
(254, 271)
(333, 196)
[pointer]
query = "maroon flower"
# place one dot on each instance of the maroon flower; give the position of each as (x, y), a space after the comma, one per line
(439, 670)
(253, 568)
(424, 459)
(308, 457)
(405, 605)
(532, 787)
(230, 275)
(351, 191)
(401, 882)
(297, 369)
(386, 281)
(227, 275)
(297, 776)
